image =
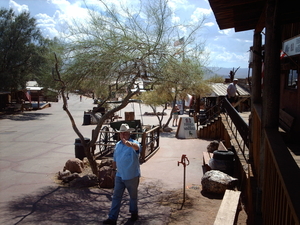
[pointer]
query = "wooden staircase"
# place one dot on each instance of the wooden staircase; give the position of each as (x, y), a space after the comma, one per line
(212, 130)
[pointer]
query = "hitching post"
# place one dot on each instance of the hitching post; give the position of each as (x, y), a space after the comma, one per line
(183, 161)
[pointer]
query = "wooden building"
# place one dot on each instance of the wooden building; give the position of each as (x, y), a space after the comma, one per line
(273, 177)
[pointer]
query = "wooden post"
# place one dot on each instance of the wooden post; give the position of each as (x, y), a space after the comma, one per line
(144, 147)
(257, 69)
(271, 81)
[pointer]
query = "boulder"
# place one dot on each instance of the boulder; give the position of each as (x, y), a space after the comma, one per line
(212, 146)
(217, 182)
(74, 165)
(106, 177)
(72, 176)
(62, 174)
(88, 180)
(106, 162)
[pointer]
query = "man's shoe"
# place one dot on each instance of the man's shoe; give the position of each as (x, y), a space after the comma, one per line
(134, 217)
(110, 221)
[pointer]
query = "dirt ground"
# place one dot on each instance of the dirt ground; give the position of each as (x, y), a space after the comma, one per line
(172, 206)
(176, 208)
(198, 207)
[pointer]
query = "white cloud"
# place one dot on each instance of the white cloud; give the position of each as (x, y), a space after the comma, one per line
(227, 32)
(200, 13)
(209, 24)
(70, 11)
(48, 25)
(18, 8)
(175, 19)
(177, 4)
(227, 47)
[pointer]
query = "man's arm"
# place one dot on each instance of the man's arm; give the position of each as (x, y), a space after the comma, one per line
(133, 145)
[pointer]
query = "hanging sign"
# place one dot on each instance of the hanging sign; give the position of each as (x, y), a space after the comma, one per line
(186, 128)
(292, 46)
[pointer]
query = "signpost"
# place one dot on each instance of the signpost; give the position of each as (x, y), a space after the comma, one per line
(292, 46)
(186, 128)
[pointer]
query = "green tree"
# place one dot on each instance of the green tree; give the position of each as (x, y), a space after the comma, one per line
(115, 49)
(159, 96)
(179, 78)
(22, 50)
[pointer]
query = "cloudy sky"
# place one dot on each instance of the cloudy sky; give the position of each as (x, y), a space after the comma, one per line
(227, 48)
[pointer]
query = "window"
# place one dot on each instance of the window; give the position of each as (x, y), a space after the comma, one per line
(292, 79)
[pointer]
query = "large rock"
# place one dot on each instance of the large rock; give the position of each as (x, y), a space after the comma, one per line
(106, 162)
(74, 165)
(89, 180)
(106, 177)
(213, 146)
(70, 177)
(217, 182)
(62, 174)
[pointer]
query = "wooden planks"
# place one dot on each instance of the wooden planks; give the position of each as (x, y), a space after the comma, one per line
(222, 146)
(285, 120)
(206, 157)
(228, 209)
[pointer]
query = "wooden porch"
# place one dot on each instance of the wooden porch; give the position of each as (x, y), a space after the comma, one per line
(281, 165)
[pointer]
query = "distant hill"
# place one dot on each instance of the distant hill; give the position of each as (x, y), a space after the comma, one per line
(224, 72)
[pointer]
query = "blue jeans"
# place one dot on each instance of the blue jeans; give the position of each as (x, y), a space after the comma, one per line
(120, 185)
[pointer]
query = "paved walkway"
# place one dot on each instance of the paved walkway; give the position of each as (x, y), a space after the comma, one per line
(35, 145)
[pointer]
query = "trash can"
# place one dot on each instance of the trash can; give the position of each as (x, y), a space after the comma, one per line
(79, 149)
(86, 119)
(223, 161)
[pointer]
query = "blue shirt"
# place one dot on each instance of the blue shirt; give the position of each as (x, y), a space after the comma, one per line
(127, 160)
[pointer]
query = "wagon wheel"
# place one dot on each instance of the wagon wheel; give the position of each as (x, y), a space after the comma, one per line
(103, 139)
(107, 139)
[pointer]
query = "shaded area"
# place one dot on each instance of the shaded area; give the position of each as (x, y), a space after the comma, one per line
(291, 142)
(168, 134)
(64, 205)
(24, 116)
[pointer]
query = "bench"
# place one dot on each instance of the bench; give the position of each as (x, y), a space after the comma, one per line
(285, 120)
(228, 209)
(206, 157)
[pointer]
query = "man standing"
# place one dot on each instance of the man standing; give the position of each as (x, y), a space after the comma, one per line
(126, 163)
(175, 113)
(231, 91)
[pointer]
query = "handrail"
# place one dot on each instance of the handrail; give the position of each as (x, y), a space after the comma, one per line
(211, 114)
(240, 126)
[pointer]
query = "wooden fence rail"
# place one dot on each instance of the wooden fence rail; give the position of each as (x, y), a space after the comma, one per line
(280, 194)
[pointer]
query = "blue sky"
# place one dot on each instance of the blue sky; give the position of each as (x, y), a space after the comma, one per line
(227, 48)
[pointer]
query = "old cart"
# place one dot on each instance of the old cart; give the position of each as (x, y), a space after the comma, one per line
(147, 136)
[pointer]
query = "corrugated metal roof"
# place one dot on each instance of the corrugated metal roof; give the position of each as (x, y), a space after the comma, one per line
(220, 89)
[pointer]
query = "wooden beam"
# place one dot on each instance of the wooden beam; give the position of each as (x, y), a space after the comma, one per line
(228, 209)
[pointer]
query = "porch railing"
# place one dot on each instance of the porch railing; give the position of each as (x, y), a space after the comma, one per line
(280, 194)
(238, 126)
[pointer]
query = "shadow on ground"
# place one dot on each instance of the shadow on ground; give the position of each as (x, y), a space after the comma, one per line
(168, 134)
(24, 116)
(63, 205)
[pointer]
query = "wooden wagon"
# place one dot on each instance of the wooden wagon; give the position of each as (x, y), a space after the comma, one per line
(147, 136)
